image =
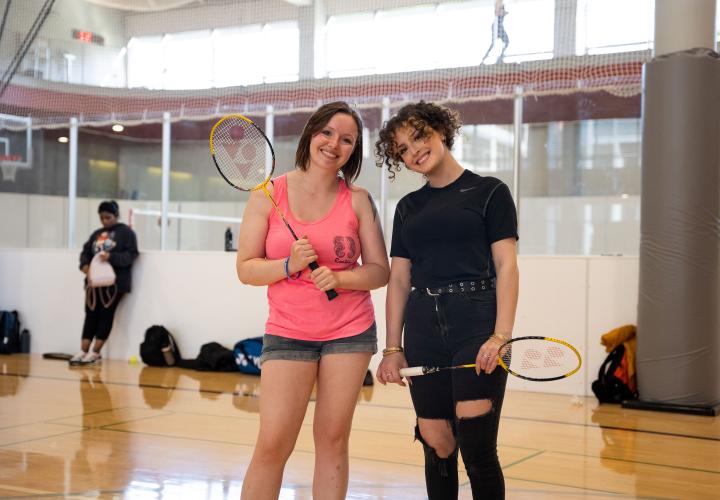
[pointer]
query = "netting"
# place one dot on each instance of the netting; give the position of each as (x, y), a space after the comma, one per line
(199, 60)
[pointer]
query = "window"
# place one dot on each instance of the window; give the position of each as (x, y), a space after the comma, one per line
(632, 26)
(145, 55)
(391, 41)
(187, 60)
(246, 55)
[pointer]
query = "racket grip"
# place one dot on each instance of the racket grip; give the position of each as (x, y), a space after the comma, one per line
(331, 294)
(412, 371)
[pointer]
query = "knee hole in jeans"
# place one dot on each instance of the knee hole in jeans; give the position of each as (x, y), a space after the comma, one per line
(474, 408)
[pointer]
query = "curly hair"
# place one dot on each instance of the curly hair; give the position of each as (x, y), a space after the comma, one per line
(423, 117)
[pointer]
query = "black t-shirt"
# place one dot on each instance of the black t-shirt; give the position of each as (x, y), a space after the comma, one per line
(447, 232)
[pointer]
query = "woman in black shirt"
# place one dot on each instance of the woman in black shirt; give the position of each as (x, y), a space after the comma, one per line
(116, 244)
(453, 290)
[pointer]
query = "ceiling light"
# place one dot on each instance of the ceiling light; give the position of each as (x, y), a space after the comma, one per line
(118, 128)
(62, 139)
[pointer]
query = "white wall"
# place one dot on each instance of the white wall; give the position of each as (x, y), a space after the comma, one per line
(197, 296)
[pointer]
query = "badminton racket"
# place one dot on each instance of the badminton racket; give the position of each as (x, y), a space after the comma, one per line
(246, 160)
(540, 359)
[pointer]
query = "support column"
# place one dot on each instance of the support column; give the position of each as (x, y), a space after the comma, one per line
(684, 25)
(165, 181)
(72, 182)
(679, 287)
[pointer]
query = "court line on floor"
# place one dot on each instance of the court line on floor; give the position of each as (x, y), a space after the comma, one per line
(374, 405)
(50, 494)
(595, 491)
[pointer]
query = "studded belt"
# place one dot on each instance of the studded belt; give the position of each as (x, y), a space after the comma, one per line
(462, 287)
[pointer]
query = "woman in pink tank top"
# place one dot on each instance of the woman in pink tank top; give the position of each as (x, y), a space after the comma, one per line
(309, 339)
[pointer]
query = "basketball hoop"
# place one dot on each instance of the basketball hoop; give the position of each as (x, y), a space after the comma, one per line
(9, 170)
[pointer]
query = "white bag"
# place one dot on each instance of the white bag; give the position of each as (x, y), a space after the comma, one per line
(100, 276)
(101, 273)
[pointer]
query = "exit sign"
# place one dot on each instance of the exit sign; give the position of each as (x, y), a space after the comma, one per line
(88, 37)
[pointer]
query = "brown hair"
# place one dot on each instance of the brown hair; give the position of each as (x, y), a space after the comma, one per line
(315, 124)
(421, 116)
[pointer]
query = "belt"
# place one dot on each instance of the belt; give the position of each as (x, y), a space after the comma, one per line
(462, 287)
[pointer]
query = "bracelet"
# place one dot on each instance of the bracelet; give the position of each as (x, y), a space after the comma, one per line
(392, 350)
(286, 266)
(500, 338)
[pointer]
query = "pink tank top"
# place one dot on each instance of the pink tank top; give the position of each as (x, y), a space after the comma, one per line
(298, 310)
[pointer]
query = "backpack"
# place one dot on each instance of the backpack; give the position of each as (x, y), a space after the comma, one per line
(247, 355)
(9, 332)
(613, 384)
(214, 357)
(151, 350)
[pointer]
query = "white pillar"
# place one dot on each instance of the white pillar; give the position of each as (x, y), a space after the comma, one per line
(683, 25)
(384, 117)
(320, 19)
(270, 134)
(517, 152)
(72, 182)
(165, 203)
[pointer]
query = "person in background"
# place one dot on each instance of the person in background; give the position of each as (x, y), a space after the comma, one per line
(498, 31)
(453, 292)
(116, 243)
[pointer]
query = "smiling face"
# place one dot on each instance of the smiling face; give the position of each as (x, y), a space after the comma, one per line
(422, 151)
(331, 147)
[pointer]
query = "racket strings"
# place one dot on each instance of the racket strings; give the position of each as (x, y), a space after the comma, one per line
(241, 153)
(540, 359)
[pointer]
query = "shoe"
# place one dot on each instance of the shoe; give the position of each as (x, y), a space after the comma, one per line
(77, 359)
(91, 358)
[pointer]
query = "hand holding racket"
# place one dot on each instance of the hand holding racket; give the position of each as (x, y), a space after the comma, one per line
(539, 359)
(246, 160)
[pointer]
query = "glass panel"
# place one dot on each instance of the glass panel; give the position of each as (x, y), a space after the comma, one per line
(580, 187)
(33, 195)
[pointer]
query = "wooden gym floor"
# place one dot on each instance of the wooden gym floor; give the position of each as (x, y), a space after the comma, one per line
(129, 431)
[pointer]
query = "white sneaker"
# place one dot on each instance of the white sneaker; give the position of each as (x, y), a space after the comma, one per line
(91, 358)
(77, 359)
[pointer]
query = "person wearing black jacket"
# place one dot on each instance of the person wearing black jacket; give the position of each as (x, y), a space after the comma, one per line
(116, 244)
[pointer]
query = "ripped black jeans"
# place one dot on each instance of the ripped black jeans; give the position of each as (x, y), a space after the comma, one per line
(448, 330)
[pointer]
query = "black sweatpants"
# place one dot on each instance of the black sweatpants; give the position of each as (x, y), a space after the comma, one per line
(98, 322)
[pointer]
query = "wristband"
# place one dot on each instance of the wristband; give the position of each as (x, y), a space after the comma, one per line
(286, 266)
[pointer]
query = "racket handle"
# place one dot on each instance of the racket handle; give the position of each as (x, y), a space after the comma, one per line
(412, 371)
(331, 294)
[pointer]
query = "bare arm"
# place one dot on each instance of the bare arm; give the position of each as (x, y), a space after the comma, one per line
(504, 254)
(252, 267)
(395, 302)
(397, 296)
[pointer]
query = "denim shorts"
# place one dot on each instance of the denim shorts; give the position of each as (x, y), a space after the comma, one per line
(276, 347)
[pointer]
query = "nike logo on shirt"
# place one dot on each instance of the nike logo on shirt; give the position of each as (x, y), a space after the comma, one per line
(467, 189)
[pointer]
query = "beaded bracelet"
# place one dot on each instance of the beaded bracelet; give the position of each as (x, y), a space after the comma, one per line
(286, 266)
